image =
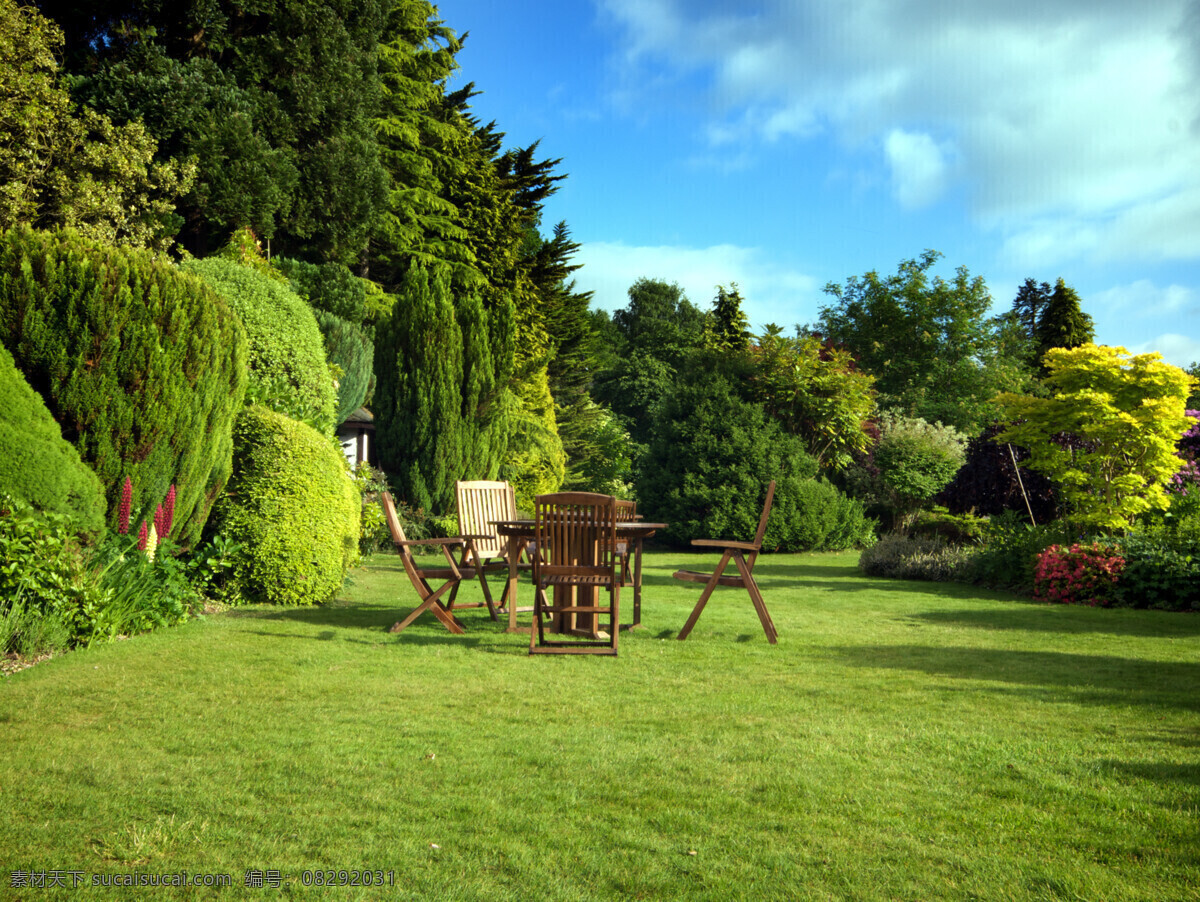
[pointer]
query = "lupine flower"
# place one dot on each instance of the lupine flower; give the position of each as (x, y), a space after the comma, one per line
(160, 518)
(169, 510)
(143, 537)
(126, 503)
(151, 543)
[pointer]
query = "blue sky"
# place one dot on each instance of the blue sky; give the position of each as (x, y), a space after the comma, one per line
(785, 144)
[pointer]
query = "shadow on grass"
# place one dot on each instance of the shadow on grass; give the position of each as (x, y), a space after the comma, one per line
(1094, 679)
(1059, 619)
(1157, 771)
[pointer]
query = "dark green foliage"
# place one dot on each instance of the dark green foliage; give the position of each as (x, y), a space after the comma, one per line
(929, 343)
(1062, 323)
(36, 464)
(287, 365)
(988, 482)
(437, 418)
(348, 348)
(1162, 569)
(707, 468)
(272, 99)
(654, 335)
(330, 287)
(1009, 553)
(293, 508)
(143, 368)
(812, 515)
(1032, 298)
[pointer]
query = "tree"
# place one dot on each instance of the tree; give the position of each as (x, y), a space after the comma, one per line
(815, 392)
(272, 98)
(1127, 413)
(60, 166)
(1032, 298)
(1062, 323)
(726, 327)
(929, 344)
(654, 334)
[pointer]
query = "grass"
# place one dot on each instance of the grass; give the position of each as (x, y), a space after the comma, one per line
(902, 741)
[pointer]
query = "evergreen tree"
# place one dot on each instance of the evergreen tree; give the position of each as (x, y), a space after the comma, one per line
(1032, 298)
(418, 399)
(272, 98)
(726, 328)
(1062, 323)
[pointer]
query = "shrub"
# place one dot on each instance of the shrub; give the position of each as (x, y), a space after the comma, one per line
(37, 465)
(1078, 574)
(916, 460)
(709, 460)
(143, 368)
(899, 556)
(989, 483)
(348, 348)
(1011, 546)
(812, 515)
(292, 506)
(330, 287)
(43, 577)
(286, 358)
(956, 529)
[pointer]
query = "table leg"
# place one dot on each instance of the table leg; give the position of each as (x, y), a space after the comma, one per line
(637, 583)
(514, 552)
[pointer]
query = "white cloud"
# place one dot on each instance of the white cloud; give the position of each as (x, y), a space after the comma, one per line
(1074, 123)
(1145, 299)
(772, 293)
(918, 167)
(1179, 350)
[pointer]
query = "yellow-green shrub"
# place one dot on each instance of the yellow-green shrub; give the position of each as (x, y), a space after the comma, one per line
(292, 506)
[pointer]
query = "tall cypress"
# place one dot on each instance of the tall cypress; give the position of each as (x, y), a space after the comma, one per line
(1062, 324)
(419, 400)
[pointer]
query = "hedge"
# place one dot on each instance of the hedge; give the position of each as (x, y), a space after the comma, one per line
(142, 367)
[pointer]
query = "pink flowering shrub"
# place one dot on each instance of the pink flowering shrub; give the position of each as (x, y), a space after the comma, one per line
(1187, 451)
(1080, 574)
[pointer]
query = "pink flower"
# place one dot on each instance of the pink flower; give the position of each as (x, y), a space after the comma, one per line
(126, 503)
(169, 510)
(143, 536)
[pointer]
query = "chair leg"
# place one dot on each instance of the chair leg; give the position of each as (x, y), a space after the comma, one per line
(760, 606)
(434, 605)
(704, 596)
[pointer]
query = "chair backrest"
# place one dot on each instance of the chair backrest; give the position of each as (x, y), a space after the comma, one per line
(576, 536)
(481, 502)
(393, 521)
(626, 511)
(762, 523)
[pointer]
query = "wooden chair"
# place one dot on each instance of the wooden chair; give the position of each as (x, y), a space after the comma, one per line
(626, 513)
(453, 574)
(575, 555)
(480, 504)
(743, 555)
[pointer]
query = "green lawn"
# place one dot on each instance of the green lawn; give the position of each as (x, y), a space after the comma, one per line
(906, 741)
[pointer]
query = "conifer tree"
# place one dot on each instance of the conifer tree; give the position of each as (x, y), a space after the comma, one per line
(1062, 323)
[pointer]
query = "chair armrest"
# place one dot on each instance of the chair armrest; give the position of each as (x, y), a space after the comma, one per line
(464, 536)
(450, 541)
(721, 543)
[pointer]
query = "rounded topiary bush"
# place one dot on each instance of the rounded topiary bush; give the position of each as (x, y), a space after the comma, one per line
(812, 515)
(37, 465)
(288, 369)
(292, 506)
(142, 367)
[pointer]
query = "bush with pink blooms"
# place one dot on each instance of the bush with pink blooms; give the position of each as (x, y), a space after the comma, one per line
(1078, 574)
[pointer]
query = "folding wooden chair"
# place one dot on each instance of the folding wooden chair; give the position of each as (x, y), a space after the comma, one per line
(419, 576)
(575, 555)
(743, 555)
(481, 503)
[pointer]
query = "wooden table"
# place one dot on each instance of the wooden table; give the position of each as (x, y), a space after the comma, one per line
(518, 531)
